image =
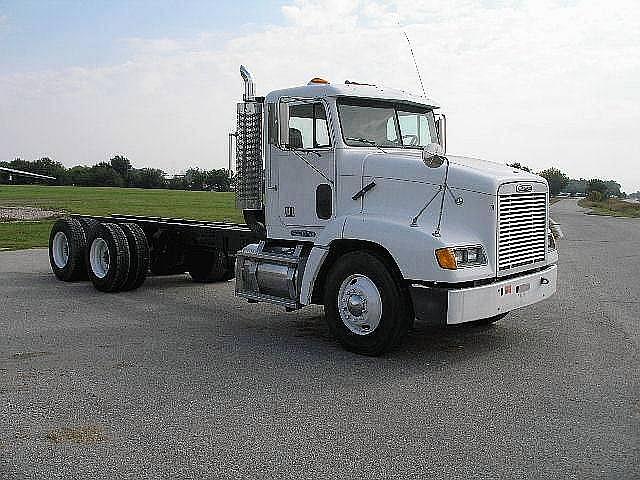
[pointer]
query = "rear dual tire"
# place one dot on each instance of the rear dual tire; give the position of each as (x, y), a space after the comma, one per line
(67, 243)
(117, 257)
(107, 257)
(139, 256)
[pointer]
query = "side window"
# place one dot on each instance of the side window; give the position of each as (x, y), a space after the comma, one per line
(308, 126)
(418, 129)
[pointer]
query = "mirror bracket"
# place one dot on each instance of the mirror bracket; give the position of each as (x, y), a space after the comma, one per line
(283, 124)
(441, 127)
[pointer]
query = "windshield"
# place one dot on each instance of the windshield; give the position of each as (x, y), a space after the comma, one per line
(385, 124)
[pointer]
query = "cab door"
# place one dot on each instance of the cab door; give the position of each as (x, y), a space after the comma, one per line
(306, 172)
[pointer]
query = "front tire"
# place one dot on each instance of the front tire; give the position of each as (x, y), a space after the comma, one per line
(108, 257)
(366, 308)
(491, 320)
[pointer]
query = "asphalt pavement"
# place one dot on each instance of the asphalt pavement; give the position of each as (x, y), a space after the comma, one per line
(183, 380)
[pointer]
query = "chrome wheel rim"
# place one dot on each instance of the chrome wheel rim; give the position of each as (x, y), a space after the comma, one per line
(360, 304)
(60, 250)
(99, 257)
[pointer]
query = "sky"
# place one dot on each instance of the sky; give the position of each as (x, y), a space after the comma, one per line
(547, 83)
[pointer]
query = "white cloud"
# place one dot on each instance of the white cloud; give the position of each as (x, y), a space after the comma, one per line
(546, 83)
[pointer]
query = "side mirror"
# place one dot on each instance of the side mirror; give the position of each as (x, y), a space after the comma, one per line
(283, 123)
(433, 155)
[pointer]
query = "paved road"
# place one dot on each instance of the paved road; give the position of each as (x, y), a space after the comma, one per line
(178, 380)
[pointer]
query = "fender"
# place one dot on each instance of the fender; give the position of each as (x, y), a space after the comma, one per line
(312, 268)
(413, 248)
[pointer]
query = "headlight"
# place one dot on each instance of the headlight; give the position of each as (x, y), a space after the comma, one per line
(461, 257)
(552, 241)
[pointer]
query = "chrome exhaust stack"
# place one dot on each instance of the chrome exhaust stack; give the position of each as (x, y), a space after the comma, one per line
(249, 89)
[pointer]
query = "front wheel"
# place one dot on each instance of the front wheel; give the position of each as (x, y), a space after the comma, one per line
(366, 308)
(491, 320)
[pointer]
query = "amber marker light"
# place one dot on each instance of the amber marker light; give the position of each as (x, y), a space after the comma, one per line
(446, 258)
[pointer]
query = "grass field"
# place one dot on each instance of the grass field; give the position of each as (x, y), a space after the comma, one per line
(613, 207)
(104, 201)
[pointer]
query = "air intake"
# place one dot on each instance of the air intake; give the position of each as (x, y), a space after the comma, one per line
(522, 230)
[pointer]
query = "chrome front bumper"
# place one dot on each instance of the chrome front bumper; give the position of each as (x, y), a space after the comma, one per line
(459, 305)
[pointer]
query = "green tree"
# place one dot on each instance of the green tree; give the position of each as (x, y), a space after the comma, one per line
(613, 188)
(195, 179)
(122, 165)
(575, 187)
(103, 175)
(597, 185)
(219, 180)
(46, 166)
(557, 180)
(147, 178)
(79, 175)
(177, 182)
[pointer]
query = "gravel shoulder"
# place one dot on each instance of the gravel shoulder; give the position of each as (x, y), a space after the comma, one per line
(26, 214)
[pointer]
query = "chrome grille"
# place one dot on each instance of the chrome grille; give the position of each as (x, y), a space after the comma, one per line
(522, 229)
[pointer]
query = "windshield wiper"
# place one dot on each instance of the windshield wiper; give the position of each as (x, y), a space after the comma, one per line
(366, 142)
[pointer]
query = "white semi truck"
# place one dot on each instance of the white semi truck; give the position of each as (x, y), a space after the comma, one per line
(350, 202)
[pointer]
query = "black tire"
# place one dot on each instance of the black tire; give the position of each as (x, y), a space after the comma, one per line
(139, 256)
(209, 267)
(396, 317)
(491, 320)
(70, 266)
(88, 225)
(114, 274)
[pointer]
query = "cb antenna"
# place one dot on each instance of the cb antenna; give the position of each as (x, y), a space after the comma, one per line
(414, 59)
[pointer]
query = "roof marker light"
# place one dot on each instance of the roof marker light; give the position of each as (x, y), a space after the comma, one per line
(318, 80)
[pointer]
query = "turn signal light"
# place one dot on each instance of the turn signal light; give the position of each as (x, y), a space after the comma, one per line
(319, 80)
(446, 258)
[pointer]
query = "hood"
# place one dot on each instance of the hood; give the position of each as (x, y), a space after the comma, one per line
(464, 173)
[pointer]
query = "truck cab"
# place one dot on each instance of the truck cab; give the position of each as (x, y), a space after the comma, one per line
(351, 201)
(359, 207)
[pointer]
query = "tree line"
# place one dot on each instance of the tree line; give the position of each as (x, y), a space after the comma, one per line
(559, 182)
(118, 172)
